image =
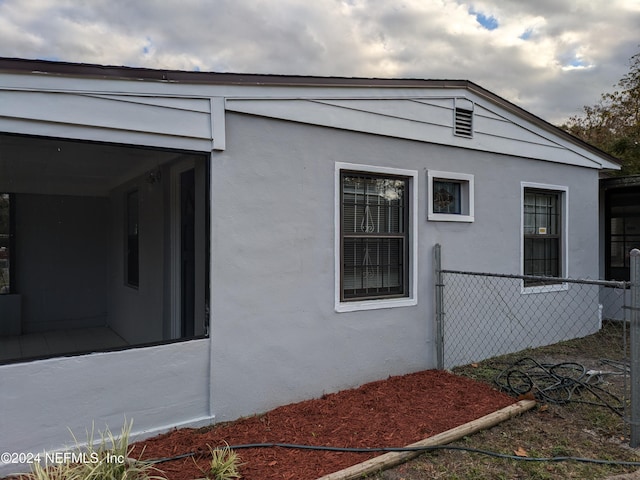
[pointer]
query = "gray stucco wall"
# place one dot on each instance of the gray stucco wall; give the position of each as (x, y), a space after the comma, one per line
(276, 337)
(158, 388)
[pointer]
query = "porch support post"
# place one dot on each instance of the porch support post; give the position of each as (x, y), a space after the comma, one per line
(218, 129)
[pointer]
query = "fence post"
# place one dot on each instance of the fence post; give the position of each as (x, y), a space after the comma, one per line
(437, 274)
(635, 348)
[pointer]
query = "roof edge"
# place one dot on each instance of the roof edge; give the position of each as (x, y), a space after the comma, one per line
(21, 65)
(540, 122)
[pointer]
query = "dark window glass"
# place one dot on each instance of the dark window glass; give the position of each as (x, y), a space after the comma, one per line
(542, 239)
(374, 246)
(447, 197)
(622, 230)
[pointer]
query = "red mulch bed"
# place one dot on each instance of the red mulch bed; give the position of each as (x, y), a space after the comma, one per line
(388, 413)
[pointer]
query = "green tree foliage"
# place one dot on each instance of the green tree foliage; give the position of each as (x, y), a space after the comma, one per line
(613, 124)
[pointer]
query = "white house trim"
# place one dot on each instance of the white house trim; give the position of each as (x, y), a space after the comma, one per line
(218, 128)
(496, 122)
(564, 236)
(412, 299)
(467, 194)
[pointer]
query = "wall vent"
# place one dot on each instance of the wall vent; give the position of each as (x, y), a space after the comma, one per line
(463, 126)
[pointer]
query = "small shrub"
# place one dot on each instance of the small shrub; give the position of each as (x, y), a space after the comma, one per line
(107, 459)
(224, 464)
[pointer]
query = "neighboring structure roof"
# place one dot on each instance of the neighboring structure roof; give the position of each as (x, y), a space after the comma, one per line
(254, 103)
(620, 182)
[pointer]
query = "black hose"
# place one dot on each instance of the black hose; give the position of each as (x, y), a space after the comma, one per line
(406, 449)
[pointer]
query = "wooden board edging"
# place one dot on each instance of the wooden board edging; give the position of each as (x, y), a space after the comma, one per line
(392, 459)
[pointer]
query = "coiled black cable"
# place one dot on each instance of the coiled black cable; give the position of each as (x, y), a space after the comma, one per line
(558, 383)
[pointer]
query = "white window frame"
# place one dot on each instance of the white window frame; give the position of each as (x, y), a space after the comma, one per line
(374, 304)
(563, 190)
(467, 195)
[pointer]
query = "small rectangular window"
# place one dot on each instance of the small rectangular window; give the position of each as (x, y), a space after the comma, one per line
(450, 197)
(132, 240)
(6, 243)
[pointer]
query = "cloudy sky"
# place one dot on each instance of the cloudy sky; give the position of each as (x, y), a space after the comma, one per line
(551, 57)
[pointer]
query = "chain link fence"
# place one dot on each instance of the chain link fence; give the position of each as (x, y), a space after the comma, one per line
(485, 315)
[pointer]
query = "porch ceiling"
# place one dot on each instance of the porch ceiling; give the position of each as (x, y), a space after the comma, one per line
(58, 166)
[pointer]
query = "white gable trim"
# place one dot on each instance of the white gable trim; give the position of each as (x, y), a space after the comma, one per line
(170, 122)
(497, 132)
(178, 114)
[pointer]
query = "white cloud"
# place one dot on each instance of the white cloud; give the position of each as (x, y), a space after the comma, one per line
(549, 57)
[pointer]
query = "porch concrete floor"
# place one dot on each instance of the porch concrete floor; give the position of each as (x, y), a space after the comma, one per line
(59, 342)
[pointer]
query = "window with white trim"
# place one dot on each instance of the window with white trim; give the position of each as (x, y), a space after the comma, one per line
(375, 237)
(543, 232)
(451, 197)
